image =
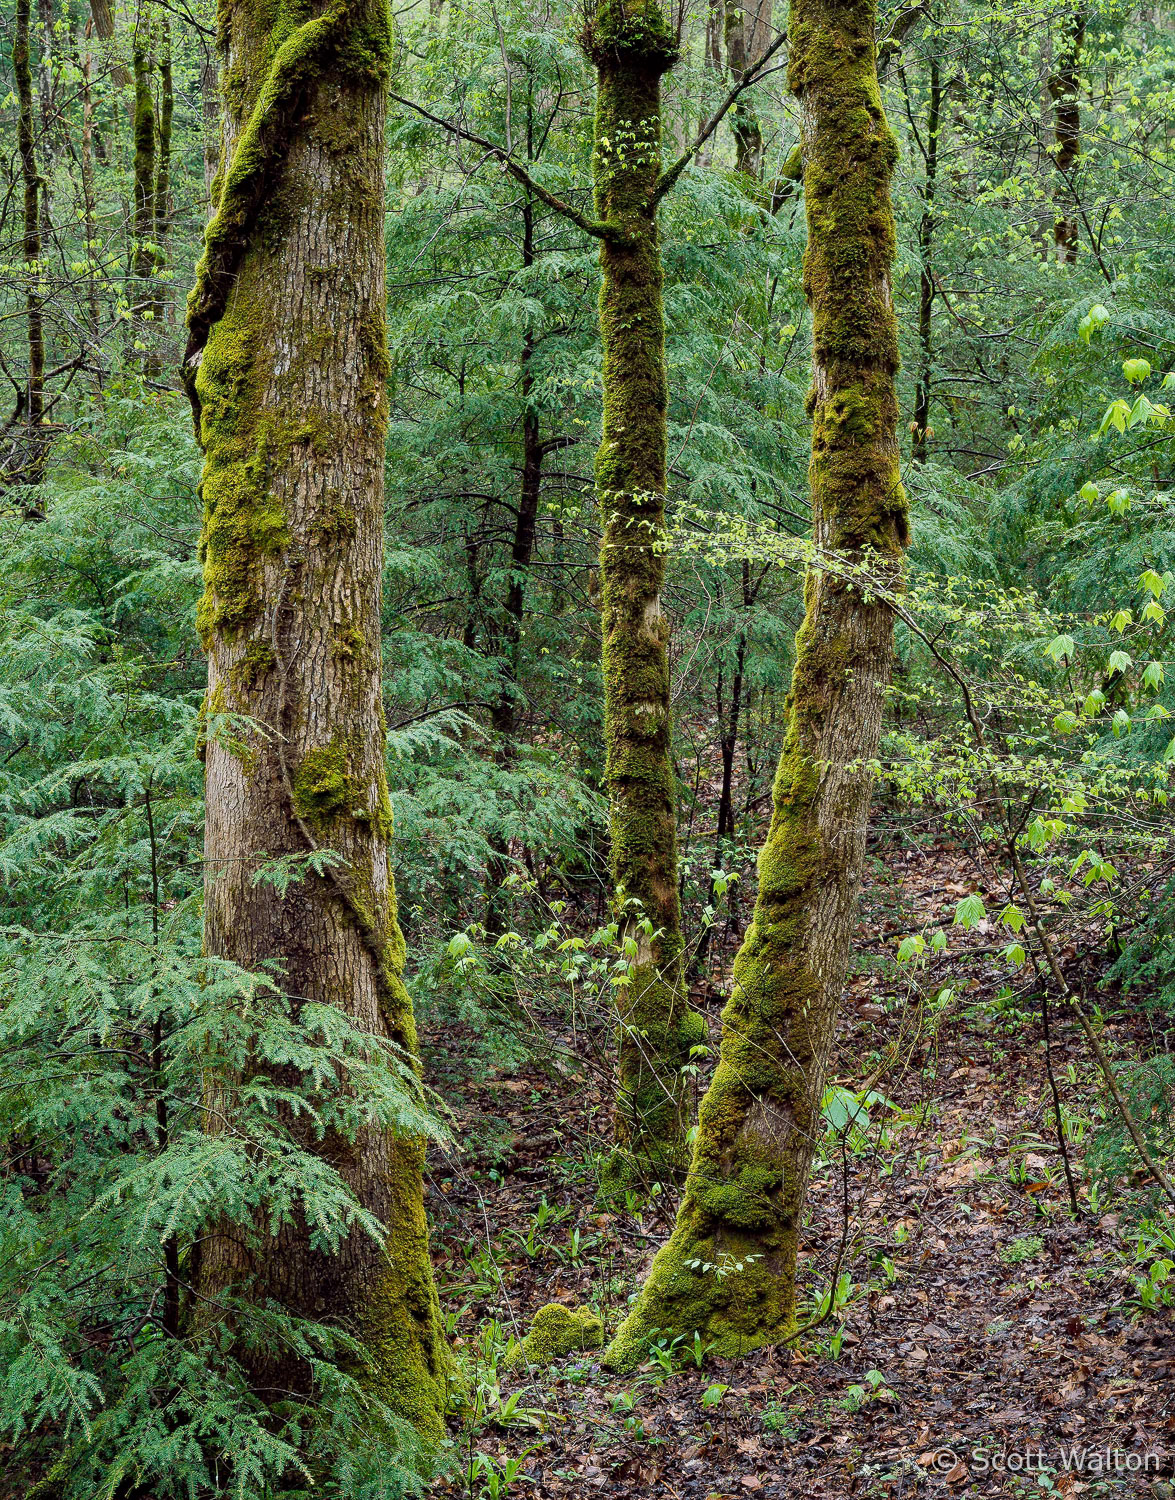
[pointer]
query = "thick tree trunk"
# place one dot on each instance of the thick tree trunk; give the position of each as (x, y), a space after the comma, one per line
(632, 47)
(102, 14)
(728, 1271)
(286, 366)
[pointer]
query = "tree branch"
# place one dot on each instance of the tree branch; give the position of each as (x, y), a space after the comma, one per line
(596, 227)
(668, 178)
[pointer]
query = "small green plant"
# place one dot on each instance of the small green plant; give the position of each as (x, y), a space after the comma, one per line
(781, 1421)
(1155, 1288)
(874, 1389)
(490, 1480)
(1024, 1247)
(713, 1394)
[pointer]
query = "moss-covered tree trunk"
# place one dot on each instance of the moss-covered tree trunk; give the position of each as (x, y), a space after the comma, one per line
(728, 1270)
(286, 366)
(632, 47)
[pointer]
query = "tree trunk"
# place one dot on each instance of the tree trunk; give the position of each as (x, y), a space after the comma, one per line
(747, 33)
(921, 417)
(210, 113)
(504, 714)
(1064, 90)
(102, 14)
(141, 249)
(29, 467)
(632, 48)
(161, 196)
(728, 1271)
(286, 367)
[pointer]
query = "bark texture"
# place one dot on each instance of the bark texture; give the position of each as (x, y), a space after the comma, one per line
(632, 47)
(286, 368)
(728, 1271)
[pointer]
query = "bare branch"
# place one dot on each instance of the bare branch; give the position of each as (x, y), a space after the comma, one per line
(596, 227)
(668, 178)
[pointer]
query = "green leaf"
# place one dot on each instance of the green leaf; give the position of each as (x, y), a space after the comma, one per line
(1152, 581)
(1136, 370)
(970, 912)
(1088, 492)
(1012, 918)
(1119, 661)
(1065, 722)
(1061, 646)
(1121, 620)
(1152, 677)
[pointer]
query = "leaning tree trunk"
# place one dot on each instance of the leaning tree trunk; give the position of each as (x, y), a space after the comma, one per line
(728, 1271)
(286, 366)
(632, 47)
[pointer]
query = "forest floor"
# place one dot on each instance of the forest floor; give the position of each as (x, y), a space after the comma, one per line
(993, 1343)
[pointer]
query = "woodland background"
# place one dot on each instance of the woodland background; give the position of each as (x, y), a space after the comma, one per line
(1035, 291)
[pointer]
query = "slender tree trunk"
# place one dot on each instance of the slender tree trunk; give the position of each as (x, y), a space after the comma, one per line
(921, 417)
(143, 246)
(632, 48)
(210, 113)
(30, 468)
(286, 366)
(89, 206)
(161, 197)
(728, 726)
(504, 715)
(729, 1269)
(1064, 90)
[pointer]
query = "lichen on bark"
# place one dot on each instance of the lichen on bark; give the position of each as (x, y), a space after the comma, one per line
(728, 1270)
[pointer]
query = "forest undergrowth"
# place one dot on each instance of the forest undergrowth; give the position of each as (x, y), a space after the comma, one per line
(983, 1340)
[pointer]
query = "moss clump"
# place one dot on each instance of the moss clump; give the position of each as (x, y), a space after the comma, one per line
(323, 787)
(556, 1331)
